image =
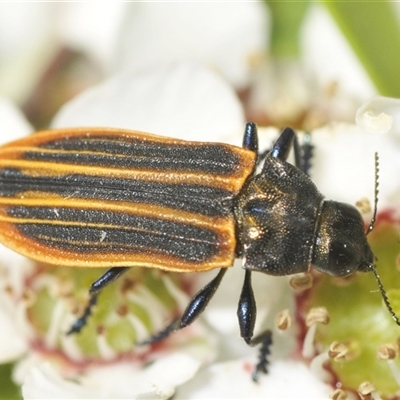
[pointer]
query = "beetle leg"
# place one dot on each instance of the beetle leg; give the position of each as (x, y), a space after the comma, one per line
(246, 313)
(106, 279)
(195, 307)
(303, 154)
(250, 137)
(283, 144)
(247, 309)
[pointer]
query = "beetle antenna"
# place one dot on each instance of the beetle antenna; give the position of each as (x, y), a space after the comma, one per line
(372, 223)
(371, 267)
(396, 319)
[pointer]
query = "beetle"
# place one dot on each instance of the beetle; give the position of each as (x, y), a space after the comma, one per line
(99, 197)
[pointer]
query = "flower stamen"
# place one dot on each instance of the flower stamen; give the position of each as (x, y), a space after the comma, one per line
(367, 391)
(388, 352)
(314, 316)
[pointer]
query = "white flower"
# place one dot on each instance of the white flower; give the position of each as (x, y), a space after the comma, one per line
(223, 36)
(181, 100)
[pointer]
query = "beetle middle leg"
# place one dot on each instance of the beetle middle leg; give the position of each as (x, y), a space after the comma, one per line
(195, 307)
(106, 279)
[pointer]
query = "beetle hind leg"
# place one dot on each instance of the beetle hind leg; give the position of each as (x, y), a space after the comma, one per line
(265, 338)
(95, 288)
(195, 307)
(247, 317)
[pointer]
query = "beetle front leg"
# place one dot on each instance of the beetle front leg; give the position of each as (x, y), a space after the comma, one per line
(250, 137)
(246, 313)
(106, 279)
(195, 307)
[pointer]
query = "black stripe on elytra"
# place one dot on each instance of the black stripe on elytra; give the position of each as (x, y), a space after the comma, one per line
(123, 233)
(135, 153)
(201, 199)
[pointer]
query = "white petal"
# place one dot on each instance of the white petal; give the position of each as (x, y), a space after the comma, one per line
(328, 55)
(13, 124)
(27, 42)
(122, 380)
(232, 380)
(79, 27)
(44, 382)
(221, 35)
(379, 115)
(183, 100)
(343, 164)
(157, 381)
(24, 365)
(12, 343)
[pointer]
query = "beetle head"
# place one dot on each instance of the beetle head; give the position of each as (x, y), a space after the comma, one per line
(341, 246)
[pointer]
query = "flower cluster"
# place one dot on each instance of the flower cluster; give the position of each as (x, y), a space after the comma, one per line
(200, 79)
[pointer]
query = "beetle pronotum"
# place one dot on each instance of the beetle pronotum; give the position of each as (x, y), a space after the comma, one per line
(92, 197)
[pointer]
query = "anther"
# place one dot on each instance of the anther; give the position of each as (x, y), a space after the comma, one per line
(302, 281)
(283, 320)
(367, 391)
(314, 316)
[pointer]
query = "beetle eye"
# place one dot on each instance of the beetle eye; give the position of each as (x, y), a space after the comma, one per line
(341, 259)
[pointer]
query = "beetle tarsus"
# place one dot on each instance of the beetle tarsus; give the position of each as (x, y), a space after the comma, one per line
(163, 334)
(106, 279)
(82, 321)
(264, 352)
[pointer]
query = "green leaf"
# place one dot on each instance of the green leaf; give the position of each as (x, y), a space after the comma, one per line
(286, 18)
(373, 30)
(8, 389)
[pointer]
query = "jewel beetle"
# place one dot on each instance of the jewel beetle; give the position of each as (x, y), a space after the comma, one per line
(99, 197)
